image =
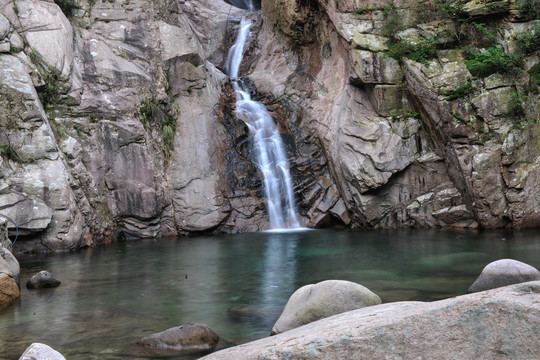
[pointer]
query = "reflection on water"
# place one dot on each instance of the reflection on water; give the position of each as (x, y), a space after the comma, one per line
(111, 297)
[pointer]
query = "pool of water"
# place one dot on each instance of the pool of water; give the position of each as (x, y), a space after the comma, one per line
(112, 296)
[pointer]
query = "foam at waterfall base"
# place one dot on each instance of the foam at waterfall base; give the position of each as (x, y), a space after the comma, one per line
(299, 229)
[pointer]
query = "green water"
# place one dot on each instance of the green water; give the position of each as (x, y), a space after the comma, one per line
(112, 296)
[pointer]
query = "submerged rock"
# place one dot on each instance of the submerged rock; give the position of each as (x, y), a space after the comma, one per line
(41, 280)
(324, 299)
(38, 351)
(496, 324)
(186, 338)
(504, 272)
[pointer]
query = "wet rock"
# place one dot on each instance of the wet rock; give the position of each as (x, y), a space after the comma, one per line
(12, 263)
(324, 299)
(183, 339)
(38, 351)
(502, 273)
(9, 291)
(42, 280)
(489, 324)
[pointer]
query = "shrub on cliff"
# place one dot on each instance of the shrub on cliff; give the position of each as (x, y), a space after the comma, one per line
(529, 41)
(529, 8)
(493, 60)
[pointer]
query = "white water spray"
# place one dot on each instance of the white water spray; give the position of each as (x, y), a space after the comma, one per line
(269, 150)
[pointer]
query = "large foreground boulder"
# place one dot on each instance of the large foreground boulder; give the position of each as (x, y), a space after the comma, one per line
(502, 273)
(497, 324)
(316, 301)
(38, 351)
(186, 338)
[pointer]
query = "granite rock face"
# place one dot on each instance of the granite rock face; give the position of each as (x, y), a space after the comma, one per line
(117, 119)
(486, 325)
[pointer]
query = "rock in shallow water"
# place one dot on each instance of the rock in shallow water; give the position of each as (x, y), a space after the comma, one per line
(41, 280)
(38, 351)
(502, 273)
(184, 339)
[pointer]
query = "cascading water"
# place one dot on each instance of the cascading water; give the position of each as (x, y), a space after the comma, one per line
(269, 150)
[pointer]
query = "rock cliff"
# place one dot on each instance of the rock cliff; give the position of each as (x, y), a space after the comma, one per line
(117, 120)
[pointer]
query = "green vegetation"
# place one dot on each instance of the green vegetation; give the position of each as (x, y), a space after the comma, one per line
(459, 92)
(50, 92)
(67, 6)
(58, 129)
(394, 22)
(146, 112)
(482, 29)
(453, 9)
(534, 72)
(152, 113)
(529, 8)
(516, 107)
(493, 60)
(458, 117)
(466, 29)
(10, 153)
(364, 10)
(403, 114)
(517, 111)
(529, 41)
(421, 52)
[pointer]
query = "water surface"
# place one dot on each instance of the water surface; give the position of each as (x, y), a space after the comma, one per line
(112, 296)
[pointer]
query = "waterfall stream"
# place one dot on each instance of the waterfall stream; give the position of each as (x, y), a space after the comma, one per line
(268, 147)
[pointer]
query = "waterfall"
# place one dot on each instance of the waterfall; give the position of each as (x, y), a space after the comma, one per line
(268, 147)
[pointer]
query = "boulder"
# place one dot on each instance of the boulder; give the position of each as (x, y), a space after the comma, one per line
(49, 33)
(38, 351)
(12, 263)
(495, 324)
(504, 272)
(41, 280)
(316, 301)
(31, 215)
(9, 291)
(186, 338)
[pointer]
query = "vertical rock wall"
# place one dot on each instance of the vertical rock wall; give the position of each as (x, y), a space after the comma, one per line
(116, 120)
(402, 150)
